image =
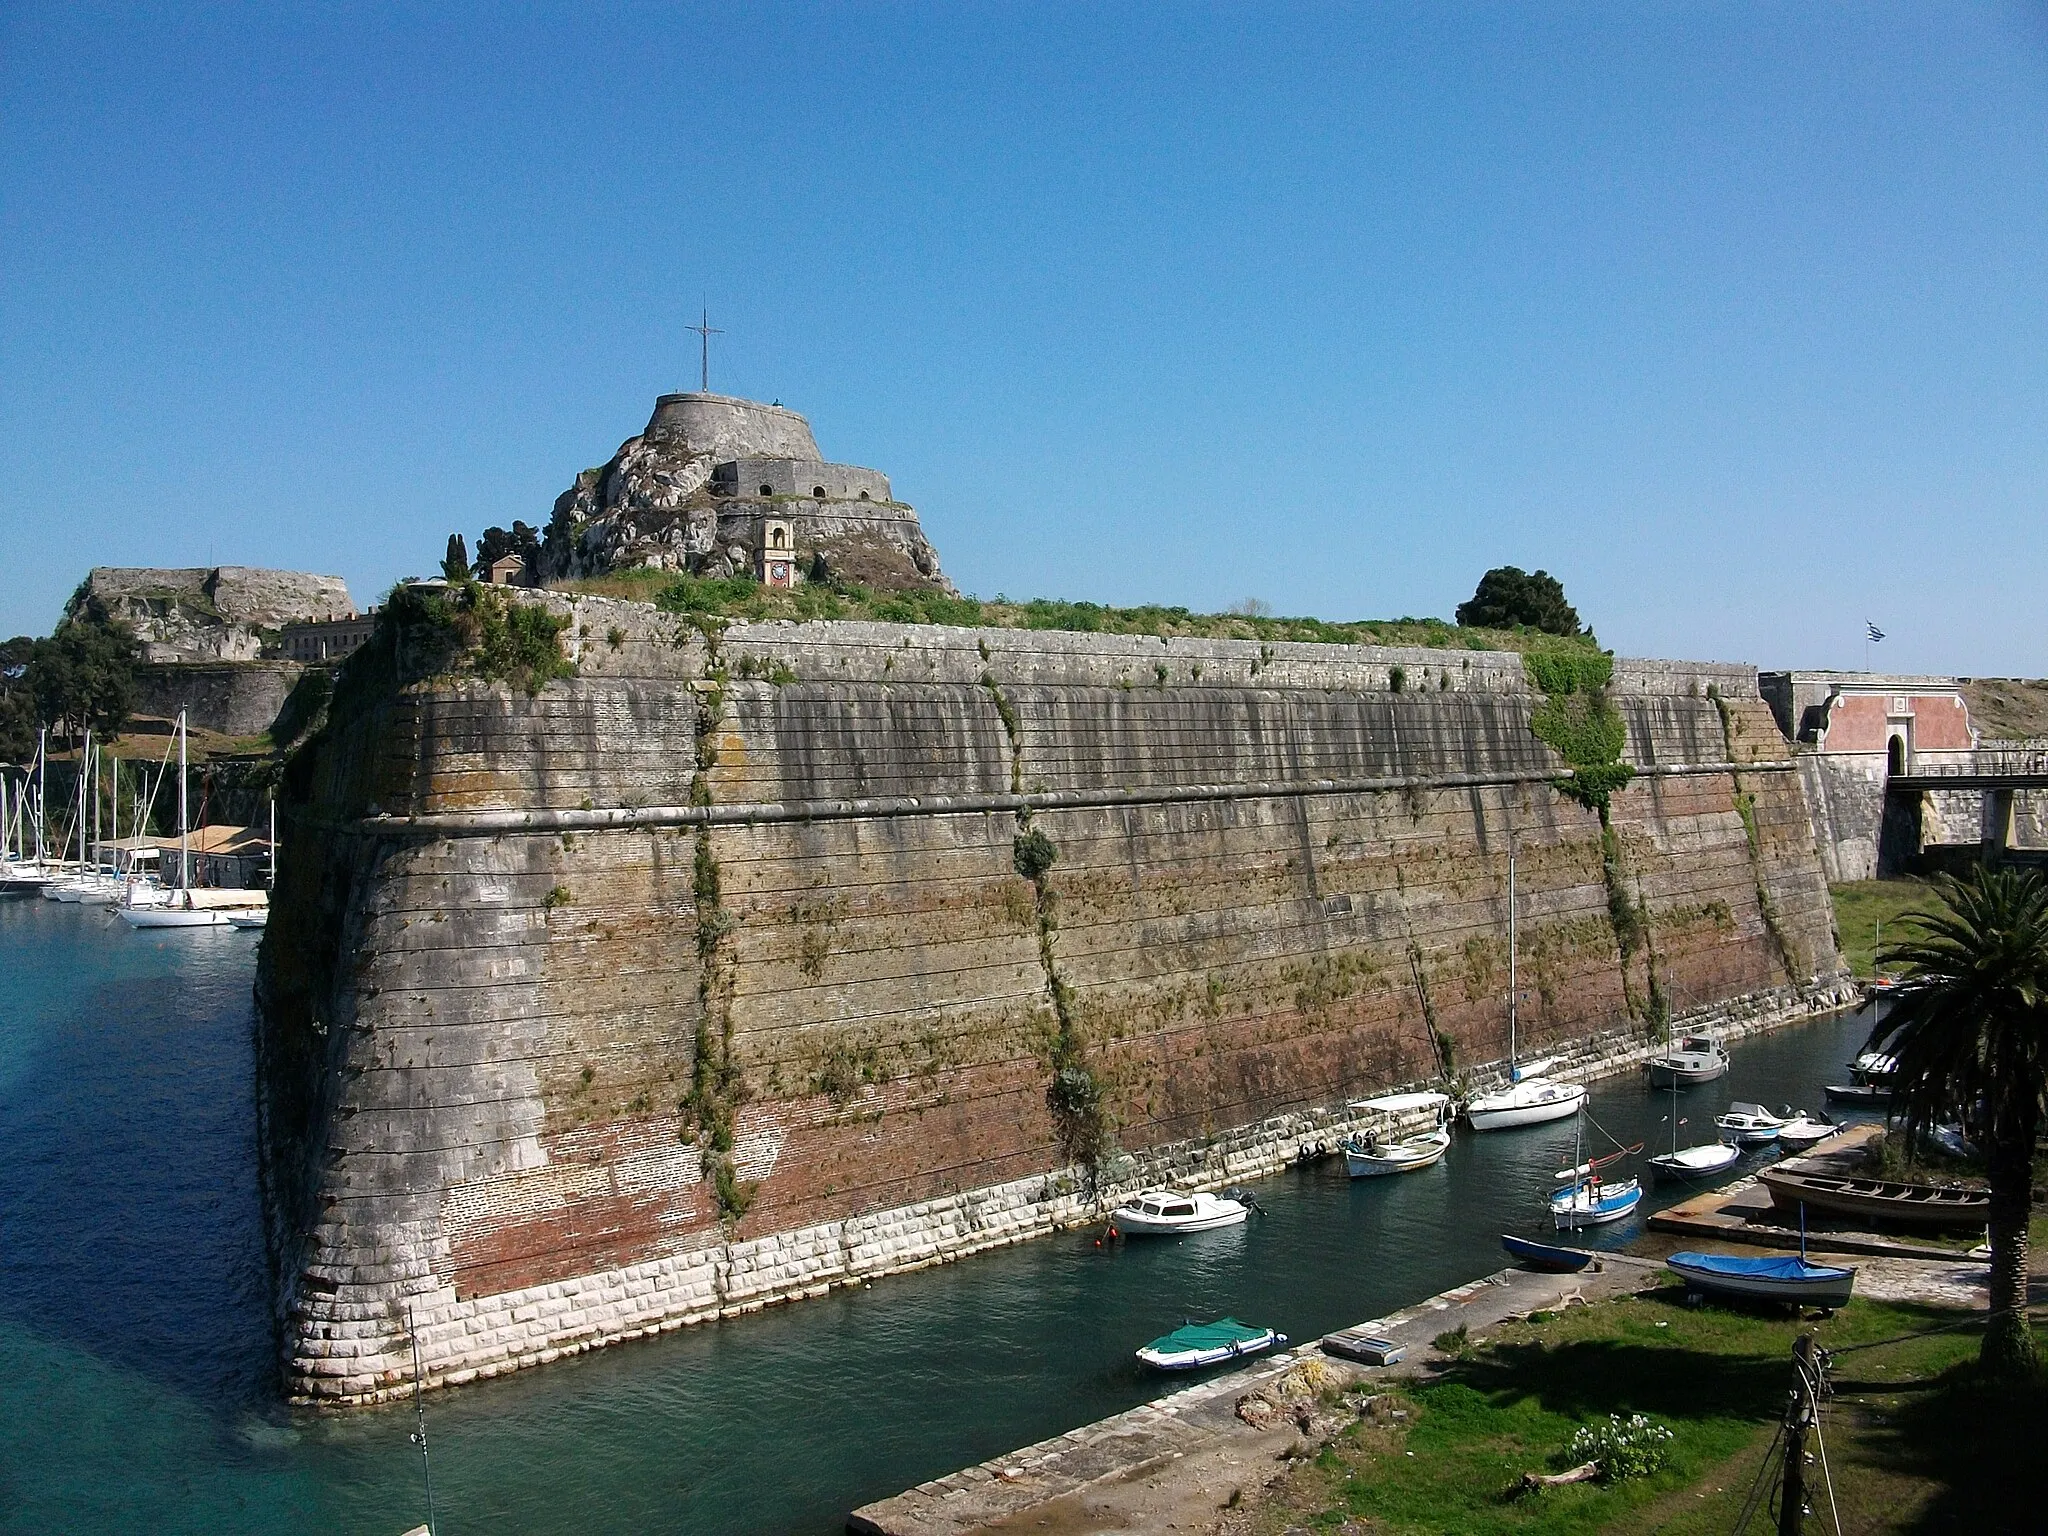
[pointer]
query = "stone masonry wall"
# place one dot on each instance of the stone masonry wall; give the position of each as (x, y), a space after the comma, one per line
(515, 932)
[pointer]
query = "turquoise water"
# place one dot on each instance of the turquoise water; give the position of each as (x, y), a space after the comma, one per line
(135, 1345)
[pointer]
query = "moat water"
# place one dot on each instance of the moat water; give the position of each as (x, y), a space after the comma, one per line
(137, 1390)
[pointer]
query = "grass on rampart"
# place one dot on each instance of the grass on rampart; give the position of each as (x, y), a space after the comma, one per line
(1869, 912)
(740, 597)
(1912, 1439)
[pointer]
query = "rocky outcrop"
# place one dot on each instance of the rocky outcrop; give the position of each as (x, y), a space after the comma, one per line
(692, 491)
(195, 614)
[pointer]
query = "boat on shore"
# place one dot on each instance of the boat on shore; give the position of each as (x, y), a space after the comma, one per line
(1919, 1205)
(1692, 1060)
(1550, 1258)
(1199, 1344)
(1784, 1277)
(1169, 1213)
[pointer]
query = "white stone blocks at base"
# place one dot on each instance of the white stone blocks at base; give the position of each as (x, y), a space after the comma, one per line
(357, 1351)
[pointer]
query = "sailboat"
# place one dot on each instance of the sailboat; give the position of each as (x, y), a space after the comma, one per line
(1694, 1164)
(1529, 1098)
(181, 910)
(1589, 1200)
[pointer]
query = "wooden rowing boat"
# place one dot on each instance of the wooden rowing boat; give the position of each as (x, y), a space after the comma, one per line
(1920, 1205)
(1782, 1278)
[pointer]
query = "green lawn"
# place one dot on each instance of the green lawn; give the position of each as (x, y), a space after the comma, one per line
(1909, 1436)
(1868, 911)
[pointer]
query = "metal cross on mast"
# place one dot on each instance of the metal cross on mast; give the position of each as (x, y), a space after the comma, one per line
(705, 331)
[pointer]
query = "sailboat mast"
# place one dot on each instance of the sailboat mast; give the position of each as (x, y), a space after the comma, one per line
(184, 839)
(84, 773)
(1511, 959)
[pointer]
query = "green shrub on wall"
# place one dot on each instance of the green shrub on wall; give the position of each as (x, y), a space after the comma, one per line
(1578, 722)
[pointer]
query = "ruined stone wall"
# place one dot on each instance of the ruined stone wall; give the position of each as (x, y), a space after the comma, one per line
(234, 698)
(714, 975)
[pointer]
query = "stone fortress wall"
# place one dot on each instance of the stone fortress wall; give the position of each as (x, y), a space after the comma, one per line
(202, 614)
(1854, 731)
(808, 478)
(712, 976)
(724, 426)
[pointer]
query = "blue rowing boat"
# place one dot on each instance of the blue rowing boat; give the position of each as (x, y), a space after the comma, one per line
(1785, 1277)
(1548, 1257)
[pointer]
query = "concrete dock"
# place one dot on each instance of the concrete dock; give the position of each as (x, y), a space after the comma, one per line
(1173, 1462)
(1743, 1212)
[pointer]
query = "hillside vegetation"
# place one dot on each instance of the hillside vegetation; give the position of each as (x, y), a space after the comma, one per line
(739, 597)
(2008, 708)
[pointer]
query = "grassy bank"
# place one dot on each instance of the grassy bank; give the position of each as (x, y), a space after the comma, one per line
(1868, 912)
(1912, 1440)
(740, 597)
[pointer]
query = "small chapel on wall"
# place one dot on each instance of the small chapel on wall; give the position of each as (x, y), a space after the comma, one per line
(775, 564)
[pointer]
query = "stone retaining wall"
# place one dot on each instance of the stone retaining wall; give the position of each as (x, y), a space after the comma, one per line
(712, 975)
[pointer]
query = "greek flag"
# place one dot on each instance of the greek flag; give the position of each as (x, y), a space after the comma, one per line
(1875, 632)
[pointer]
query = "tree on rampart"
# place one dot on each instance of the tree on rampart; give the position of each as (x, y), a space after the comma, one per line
(1509, 597)
(83, 675)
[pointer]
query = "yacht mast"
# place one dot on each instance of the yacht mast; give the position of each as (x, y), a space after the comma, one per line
(42, 784)
(184, 839)
(1511, 962)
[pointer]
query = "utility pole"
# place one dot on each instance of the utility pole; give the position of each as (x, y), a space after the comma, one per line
(1792, 1488)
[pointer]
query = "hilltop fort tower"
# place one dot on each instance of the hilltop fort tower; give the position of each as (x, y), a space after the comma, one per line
(712, 483)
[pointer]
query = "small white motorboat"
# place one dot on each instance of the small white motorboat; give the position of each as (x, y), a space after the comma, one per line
(1802, 1133)
(1200, 1344)
(1168, 1212)
(1695, 1165)
(1693, 1059)
(1367, 1157)
(1751, 1125)
(258, 918)
(1532, 1101)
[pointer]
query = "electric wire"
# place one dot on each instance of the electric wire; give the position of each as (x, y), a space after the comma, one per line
(1756, 1489)
(1815, 1386)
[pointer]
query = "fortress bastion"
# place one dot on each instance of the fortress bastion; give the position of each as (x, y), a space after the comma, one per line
(708, 484)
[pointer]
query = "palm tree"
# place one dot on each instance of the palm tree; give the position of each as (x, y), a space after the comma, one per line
(1969, 1028)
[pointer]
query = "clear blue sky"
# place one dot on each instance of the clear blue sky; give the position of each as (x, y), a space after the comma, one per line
(1733, 317)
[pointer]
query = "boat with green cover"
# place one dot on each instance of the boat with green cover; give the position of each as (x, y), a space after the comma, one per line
(1200, 1344)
